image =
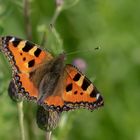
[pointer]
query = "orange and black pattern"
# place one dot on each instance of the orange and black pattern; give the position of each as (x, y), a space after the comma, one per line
(73, 90)
(23, 54)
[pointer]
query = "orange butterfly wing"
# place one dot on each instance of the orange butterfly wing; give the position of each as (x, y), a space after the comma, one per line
(74, 91)
(24, 57)
(79, 91)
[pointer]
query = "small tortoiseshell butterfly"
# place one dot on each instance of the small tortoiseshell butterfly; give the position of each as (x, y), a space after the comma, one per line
(40, 77)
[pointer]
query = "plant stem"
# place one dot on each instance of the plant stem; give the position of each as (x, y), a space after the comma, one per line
(21, 119)
(56, 14)
(48, 135)
(52, 23)
(28, 28)
(71, 4)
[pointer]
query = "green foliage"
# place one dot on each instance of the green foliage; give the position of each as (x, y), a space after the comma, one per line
(112, 25)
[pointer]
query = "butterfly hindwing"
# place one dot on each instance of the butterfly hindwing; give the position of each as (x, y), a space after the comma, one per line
(25, 86)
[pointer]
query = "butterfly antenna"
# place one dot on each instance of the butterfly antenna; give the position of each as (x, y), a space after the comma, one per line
(79, 51)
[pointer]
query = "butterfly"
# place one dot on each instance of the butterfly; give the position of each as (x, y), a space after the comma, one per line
(40, 77)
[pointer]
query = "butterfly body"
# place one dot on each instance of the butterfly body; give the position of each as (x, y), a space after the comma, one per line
(45, 79)
(53, 74)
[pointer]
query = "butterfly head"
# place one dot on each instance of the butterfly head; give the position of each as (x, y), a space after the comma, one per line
(62, 56)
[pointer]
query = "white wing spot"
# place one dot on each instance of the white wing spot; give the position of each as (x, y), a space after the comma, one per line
(97, 96)
(11, 40)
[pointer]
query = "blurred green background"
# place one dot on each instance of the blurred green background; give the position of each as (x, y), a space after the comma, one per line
(115, 68)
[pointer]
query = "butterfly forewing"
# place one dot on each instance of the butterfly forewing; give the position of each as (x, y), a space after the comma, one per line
(79, 92)
(24, 55)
